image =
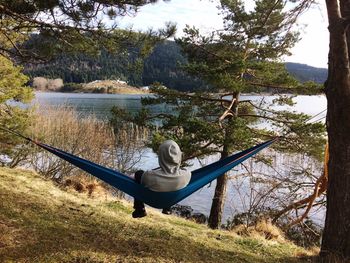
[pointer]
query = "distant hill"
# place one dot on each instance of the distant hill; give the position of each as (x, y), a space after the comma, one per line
(162, 66)
(304, 72)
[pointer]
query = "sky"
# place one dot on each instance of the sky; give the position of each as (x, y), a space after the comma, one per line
(311, 50)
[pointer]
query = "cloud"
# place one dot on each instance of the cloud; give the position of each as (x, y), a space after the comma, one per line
(202, 14)
(311, 50)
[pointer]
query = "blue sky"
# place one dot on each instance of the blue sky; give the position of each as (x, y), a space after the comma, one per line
(311, 50)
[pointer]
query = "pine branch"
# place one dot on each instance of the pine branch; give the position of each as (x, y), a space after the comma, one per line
(257, 107)
(266, 85)
(265, 117)
(211, 53)
(40, 23)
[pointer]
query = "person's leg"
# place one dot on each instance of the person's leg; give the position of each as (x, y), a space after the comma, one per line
(139, 206)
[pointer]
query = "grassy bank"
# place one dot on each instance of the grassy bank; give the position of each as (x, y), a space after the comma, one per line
(111, 87)
(41, 223)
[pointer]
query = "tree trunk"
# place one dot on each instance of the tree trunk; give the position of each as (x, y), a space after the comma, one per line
(336, 236)
(217, 206)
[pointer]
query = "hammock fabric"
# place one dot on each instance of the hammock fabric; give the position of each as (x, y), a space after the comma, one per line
(199, 178)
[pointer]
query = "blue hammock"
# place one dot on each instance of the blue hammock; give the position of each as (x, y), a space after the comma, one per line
(199, 178)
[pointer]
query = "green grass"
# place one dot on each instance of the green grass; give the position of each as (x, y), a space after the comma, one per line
(39, 222)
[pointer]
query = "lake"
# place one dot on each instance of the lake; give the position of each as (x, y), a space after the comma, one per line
(89, 103)
(100, 105)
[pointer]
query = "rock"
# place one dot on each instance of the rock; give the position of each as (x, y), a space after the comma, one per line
(182, 210)
(199, 218)
(187, 212)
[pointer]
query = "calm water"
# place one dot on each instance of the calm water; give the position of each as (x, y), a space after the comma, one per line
(100, 105)
(97, 104)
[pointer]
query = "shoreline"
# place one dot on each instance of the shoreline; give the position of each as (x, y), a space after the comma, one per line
(86, 92)
(97, 87)
(150, 93)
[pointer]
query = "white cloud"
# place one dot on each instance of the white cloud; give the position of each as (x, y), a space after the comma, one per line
(202, 14)
(311, 50)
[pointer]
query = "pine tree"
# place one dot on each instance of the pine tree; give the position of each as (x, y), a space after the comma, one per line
(12, 90)
(41, 29)
(244, 57)
(71, 26)
(335, 242)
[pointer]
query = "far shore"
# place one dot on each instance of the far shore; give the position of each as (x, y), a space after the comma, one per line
(97, 86)
(140, 92)
(121, 92)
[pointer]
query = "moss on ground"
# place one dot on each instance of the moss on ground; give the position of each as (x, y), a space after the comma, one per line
(39, 222)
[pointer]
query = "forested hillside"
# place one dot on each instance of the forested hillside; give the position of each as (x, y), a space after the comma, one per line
(304, 72)
(163, 65)
(82, 68)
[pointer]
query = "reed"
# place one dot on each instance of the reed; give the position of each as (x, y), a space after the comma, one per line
(87, 137)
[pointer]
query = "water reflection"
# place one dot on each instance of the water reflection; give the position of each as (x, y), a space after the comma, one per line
(98, 104)
(101, 104)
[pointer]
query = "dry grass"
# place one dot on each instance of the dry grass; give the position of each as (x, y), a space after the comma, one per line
(112, 86)
(262, 229)
(83, 184)
(39, 222)
(64, 128)
(84, 136)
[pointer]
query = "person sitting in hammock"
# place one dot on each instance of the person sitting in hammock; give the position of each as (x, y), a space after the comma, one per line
(167, 178)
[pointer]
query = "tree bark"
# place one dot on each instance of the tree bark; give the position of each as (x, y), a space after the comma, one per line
(336, 236)
(217, 206)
